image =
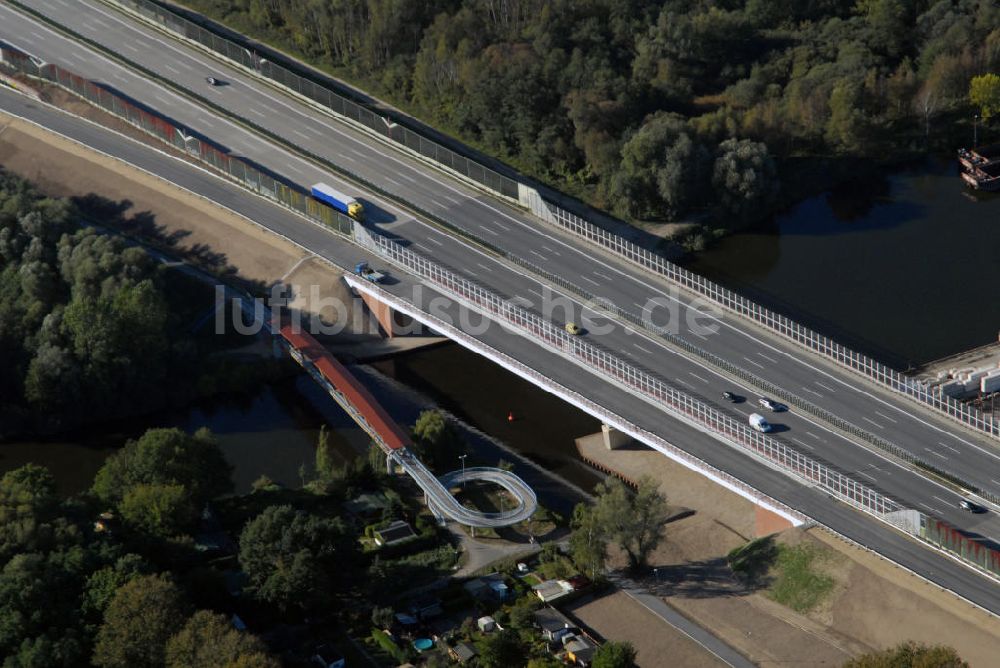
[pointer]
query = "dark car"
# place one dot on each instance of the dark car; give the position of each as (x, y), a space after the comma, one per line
(771, 404)
(971, 506)
(729, 396)
(212, 81)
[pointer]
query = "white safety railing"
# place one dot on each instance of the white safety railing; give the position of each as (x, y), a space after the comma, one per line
(785, 327)
(644, 383)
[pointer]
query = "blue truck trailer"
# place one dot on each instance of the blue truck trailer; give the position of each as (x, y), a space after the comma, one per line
(338, 201)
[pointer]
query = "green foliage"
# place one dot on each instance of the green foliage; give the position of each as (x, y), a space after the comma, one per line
(502, 649)
(102, 584)
(588, 543)
(325, 463)
(389, 645)
(984, 92)
(798, 584)
(163, 458)
(159, 510)
(292, 558)
(383, 618)
(614, 654)
(208, 640)
(910, 655)
(138, 622)
(751, 562)
(626, 103)
(634, 521)
(437, 440)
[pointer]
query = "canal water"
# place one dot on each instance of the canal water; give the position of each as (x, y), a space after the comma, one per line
(274, 432)
(901, 267)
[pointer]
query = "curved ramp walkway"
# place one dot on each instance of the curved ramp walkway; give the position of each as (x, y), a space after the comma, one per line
(395, 442)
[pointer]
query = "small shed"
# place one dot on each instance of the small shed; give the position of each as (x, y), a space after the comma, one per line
(462, 652)
(486, 624)
(396, 532)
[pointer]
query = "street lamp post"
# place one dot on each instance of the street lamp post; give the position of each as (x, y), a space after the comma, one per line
(462, 457)
(975, 131)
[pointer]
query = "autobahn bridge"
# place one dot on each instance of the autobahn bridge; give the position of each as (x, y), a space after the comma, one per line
(397, 445)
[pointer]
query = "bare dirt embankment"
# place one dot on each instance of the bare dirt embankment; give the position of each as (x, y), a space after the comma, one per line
(185, 225)
(873, 604)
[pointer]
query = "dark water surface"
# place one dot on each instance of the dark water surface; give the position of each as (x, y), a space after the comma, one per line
(274, 433)
(901, 267)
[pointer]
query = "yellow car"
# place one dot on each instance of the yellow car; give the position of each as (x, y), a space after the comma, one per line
(573, 328)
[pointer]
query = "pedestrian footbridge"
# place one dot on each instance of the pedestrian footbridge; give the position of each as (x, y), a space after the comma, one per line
(397, 445)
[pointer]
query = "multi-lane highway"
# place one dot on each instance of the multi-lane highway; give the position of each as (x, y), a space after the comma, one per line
(892, 418)
(809, 500)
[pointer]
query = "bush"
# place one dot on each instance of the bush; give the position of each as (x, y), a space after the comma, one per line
(390, 646)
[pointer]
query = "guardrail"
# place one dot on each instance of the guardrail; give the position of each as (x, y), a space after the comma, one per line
(245, 55)
(777, 323)
(576, 399)
(395, 130)
(180, 138)
(597, 360)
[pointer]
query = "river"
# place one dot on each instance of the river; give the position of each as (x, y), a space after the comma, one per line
(274, 432)
(900, 267)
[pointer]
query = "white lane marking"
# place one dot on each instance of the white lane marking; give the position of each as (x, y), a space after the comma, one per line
(768, 358)
(940, 499)
(483, 266)
(130, 47)
(550, 250)
(825, 387)
(645, 350)
(698, 377)
(634, 278)
(171, 68)
(880, 413)
(802, 443)
(995, 481)
(866, 419)
(451, 199)
(299, 133)
(870, 477)
(935, 453)
(503, 227)
(346, 157)
(604, 276)
(439, 204)
(206, 121)
(392, 181)
(949, 447)
(754, 362)
(814, 436)
(537, 254)
(434, 241)
(490, 230)
(534, 291)
(406, 176)
(589, 280)
(812, 391)
(35, 35)
(683, 382)
(256, 112)
(919, 503)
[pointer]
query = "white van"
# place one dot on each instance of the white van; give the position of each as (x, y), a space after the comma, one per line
(758, 422)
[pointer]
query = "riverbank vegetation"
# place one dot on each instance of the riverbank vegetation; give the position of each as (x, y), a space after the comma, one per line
(659, 111)
(92, 327)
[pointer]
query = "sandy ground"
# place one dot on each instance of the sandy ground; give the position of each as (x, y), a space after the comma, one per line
(875, 604)
(616, 616)
(193, 228)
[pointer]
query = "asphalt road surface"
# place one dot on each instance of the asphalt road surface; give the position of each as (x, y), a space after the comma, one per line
(894, 419)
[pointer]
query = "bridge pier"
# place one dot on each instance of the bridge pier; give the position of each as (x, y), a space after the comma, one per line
(614, 439)
(383, 313)
(388, 465)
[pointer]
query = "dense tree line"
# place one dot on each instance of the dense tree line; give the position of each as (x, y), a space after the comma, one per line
(75, 591)
(656, 110)
(88, 323)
